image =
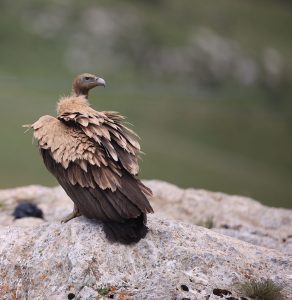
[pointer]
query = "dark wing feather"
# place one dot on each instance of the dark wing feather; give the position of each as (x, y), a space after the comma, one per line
(126, 202)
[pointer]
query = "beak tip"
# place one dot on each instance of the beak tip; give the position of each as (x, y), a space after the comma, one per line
(100, 81)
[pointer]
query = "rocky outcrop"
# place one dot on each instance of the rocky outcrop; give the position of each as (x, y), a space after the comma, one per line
(236, 216)
(43, 259)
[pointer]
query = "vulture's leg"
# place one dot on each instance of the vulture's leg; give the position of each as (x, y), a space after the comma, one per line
(75, 213)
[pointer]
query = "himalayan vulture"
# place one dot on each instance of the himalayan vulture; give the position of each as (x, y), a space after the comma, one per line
(94, 157)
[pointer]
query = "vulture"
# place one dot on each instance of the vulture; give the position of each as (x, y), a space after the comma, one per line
(94, 156)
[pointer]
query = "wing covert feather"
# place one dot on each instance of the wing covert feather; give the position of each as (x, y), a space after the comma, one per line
(108, 130)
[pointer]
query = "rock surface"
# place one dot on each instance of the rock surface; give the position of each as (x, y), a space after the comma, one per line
(236, 216)
(43, 259)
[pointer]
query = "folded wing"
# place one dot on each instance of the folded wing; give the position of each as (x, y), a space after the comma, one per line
(94, 158)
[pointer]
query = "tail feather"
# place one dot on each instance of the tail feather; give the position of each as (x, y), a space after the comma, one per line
(129, 232)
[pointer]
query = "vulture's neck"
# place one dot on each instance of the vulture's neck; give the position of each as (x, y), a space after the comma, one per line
(78, 91)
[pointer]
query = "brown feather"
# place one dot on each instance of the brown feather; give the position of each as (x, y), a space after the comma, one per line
(133, 201)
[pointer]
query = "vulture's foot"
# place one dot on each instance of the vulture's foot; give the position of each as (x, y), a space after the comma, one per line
(75, 213)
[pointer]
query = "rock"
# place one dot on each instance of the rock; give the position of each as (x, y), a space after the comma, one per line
(43, 259)
(87, 293)
(26, 209)
(51, 260)
(52, 201)
(236, 216)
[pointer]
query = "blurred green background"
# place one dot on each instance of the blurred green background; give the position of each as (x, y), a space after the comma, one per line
(208, 85)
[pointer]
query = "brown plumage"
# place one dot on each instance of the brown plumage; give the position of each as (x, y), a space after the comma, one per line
(94, 157)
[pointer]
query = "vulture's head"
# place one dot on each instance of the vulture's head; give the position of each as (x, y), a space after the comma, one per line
(83, 83)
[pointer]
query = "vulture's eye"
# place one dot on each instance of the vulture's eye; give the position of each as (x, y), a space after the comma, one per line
(87, 78)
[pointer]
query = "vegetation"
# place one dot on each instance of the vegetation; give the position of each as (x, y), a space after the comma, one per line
(103, 291)
(207, 85)
(261, 290)
(207, 223)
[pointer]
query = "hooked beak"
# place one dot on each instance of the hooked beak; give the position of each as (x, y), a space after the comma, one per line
(100, 81)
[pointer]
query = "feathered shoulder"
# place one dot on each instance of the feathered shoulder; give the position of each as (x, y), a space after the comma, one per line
(106, 128)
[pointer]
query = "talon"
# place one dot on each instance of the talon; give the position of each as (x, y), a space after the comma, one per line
(75, 213)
